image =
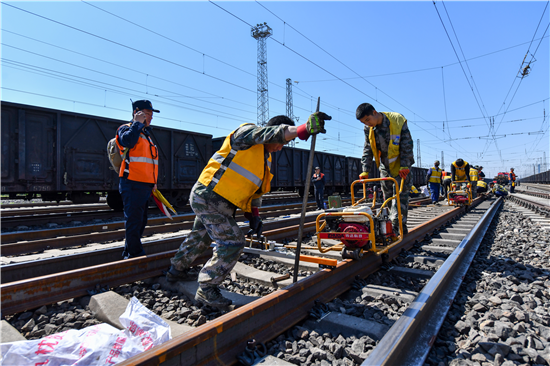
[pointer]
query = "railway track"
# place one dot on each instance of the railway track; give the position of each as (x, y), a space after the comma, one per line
(534, 207)
(17, 217)
(437, 234)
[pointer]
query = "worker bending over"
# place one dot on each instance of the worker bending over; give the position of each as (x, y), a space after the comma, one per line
(473, 179)
(236, 176)
(460, 171)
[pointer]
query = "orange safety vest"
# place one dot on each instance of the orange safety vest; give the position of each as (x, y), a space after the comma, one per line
(141, 162)
(245, 175)
(512, 176)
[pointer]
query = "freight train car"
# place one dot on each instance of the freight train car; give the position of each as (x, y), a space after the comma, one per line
(61, 155)
(542, 178)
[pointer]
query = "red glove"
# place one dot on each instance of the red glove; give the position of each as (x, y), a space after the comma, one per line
(403, 172)
(315, 124)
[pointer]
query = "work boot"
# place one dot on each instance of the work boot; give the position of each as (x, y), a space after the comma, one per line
(174, 275)
(212, 296)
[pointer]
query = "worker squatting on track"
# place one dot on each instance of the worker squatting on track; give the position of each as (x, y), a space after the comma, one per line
(236, 176)
(388, 140)
(138, 173)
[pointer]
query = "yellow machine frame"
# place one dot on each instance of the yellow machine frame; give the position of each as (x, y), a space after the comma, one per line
(338, 247)
(453, 189)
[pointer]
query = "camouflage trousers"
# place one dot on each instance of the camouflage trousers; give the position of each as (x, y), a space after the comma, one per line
(213, 222)
(388, 189)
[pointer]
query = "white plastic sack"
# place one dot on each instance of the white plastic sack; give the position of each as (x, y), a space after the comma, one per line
(96, 345)
(424, 191)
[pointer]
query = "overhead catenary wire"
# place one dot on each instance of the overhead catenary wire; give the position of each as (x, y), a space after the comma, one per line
(315, 64)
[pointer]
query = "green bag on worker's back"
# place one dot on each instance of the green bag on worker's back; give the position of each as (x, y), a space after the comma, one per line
(334, 201)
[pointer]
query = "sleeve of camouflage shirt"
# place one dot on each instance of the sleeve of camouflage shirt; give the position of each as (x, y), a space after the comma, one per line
(249, 135)
(366, 160)
(406, 147)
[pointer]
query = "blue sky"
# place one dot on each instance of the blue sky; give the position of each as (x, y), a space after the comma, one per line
(197, 63)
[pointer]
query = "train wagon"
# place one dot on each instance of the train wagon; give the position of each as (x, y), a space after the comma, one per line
(542, 178)
(60, 155)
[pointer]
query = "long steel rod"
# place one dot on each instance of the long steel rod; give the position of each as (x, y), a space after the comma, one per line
(304, 204)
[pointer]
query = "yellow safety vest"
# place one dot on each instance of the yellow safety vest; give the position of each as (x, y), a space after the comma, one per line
(473, 174)
(396, 124)
(244, 175)
(460, 172)
(435, 177)
(414, 190)
(482, 184)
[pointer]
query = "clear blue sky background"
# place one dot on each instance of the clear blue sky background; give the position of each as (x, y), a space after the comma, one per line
(197, 63)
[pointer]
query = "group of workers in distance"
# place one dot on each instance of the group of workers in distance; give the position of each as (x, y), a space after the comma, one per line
(239, 174)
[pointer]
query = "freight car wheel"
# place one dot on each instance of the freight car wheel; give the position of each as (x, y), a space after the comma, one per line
(114, 200)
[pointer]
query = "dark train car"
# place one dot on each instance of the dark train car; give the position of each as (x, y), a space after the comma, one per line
(62, 155)
(542, 178)
(290, 169)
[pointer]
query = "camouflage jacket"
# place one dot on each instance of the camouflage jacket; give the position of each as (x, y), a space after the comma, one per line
(382, 136)
(249, 135)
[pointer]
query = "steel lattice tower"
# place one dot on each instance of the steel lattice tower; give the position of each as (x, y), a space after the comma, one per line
(289, 105)
(261, 32)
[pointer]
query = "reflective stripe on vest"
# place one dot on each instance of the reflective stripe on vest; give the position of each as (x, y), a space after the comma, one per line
(238, 176)
(435, 177)
(460, 172)
(139, 164)
(473, 174)
(396, 125)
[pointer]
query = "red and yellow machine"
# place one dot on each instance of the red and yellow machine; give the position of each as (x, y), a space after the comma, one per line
(360, 228)
(458, 196)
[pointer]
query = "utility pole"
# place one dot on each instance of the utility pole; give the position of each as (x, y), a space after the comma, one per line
(418, 153)
(442, 161)
(261, 32)
(289, 106)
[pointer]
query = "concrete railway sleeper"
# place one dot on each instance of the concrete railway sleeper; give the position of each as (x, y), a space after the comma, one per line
(323, 286)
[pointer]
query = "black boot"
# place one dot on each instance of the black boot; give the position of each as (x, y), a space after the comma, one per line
(212, 296)
(174, 275)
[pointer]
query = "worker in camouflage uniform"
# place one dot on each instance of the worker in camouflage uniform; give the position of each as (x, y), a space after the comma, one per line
(236, 176)
(388, 140)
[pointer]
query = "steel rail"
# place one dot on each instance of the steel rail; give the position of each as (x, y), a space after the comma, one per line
(220, 341)
(276, 230)
(57, 209)
(87, 229)
(409, 340)
(165, 226)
